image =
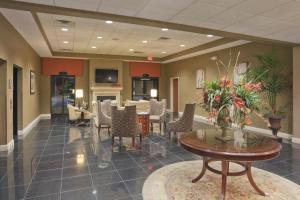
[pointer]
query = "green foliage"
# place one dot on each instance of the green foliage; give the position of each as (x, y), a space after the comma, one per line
(269, 73)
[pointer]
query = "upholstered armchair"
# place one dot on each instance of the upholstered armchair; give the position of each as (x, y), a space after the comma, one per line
(73, 114)
(124, 123)
(185, 123)
(102, 117)
(158, 113)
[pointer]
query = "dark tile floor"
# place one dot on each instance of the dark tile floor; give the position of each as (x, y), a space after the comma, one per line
(58, 161)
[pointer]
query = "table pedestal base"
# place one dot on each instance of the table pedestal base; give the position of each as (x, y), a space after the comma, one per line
(226, 172)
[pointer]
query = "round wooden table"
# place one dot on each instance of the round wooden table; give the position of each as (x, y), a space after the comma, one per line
(243, 150)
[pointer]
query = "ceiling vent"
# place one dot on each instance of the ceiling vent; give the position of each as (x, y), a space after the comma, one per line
(69, 50)
(64, 23)
(138, 52)
(116, 39)
(163, 38)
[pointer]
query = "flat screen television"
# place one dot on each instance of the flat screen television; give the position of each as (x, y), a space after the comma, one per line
(106, 76)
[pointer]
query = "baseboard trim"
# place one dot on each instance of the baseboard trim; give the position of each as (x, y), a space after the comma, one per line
(45, 116)
(296, 140)
(284, 135)
(7, 147)
(23, 133)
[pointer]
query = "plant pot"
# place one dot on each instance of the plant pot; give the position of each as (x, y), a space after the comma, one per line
(275, 124)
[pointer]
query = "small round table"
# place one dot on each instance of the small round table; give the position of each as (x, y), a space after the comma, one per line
(243, 150)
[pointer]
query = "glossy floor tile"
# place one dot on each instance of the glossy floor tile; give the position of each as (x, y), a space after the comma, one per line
(58, 161)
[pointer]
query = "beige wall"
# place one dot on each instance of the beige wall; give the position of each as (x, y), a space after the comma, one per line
(186, 70)
(296, 92)
(15, 50)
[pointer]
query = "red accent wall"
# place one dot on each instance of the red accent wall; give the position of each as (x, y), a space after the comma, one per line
(137, 69)
(53, 66)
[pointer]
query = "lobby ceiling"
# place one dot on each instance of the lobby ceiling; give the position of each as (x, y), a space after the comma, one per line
(96, 36)
(274, 19)
(268, 20)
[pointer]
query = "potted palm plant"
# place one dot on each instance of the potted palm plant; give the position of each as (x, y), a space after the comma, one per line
(269, 73)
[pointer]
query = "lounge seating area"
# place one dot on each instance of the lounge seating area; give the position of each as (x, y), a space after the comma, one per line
(149, 100)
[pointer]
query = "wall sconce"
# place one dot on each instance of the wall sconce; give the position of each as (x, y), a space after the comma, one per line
(214, 58)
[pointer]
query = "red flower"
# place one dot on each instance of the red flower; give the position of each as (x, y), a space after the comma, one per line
(225, 83)
(258, 86)
(239, 103)
(218, 99)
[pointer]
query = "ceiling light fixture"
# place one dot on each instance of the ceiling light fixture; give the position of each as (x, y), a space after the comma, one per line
(109, 22)
(99, 37)
(144, 41)
(66, 42)
(131, 49)
(164, 29)
(163, 52)
(182, 45)
(209, 36)
(65, 29)
(93, 47)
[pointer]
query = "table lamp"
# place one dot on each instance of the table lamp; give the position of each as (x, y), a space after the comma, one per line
(79, 95)
(153, 93)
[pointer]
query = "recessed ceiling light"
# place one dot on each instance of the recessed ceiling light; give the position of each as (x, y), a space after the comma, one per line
(209, 36)
(163, 52)
(131, 49)
(66, 42)
(65, 29)
(93, 47)
(99, 37)
(164, 29)
(109, 22)
(144, 41)
(182, 45)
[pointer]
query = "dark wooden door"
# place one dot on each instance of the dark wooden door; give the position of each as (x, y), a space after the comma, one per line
(175, 95)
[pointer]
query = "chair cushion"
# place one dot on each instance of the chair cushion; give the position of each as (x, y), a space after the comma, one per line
(154, 117)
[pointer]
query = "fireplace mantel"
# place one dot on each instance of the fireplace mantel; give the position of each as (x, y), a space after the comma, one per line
(106, 91)
(106, 88)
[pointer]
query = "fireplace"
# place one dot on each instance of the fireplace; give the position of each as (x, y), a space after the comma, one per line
(102, 98)
(102, 93)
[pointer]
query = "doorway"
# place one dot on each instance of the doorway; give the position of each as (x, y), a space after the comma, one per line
(62, 93)
(17, 99)
(3, 80)
(174, 94)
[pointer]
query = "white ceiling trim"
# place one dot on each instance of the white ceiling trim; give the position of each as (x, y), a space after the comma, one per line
(213, 49)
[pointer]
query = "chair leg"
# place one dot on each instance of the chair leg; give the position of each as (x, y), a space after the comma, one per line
(99, 129)
(141, 138)
(165, 125)
(108, 130)
(151, 127)
(120, 139)
(133, 141)
(112, 141)
(159, 127)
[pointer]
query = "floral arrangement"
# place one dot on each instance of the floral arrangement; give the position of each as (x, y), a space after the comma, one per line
(229, 103)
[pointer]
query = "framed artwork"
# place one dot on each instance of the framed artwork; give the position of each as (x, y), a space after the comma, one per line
(200, 79)
(239, 72)
(32, 82)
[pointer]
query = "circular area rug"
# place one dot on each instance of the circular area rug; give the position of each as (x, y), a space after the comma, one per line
(173, 182)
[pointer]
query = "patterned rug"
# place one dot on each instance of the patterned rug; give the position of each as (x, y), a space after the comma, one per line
(173, 182)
